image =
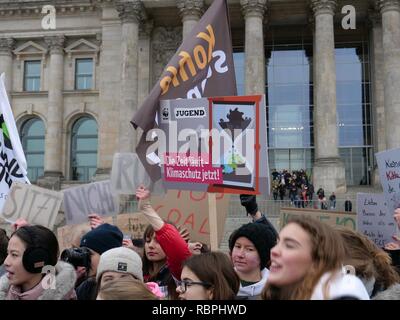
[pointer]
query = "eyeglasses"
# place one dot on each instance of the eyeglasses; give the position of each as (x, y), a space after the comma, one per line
(183, 285)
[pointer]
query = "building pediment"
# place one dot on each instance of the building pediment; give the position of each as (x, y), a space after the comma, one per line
(30, 48)
(82, 46)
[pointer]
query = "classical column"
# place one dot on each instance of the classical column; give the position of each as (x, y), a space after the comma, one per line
(55, 112)
(130, 13)
(109, 89)
(6, 46)
(377, 92)
(328, 171)
(191, 12)
(390, 11)
(145, 51)
(253, 11)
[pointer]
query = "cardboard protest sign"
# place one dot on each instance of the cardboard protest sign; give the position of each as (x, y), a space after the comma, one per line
(132, 223)
(189, 209)
(128, 173)
(70, 235)
(36, 205)
(373, 219)
(334, 218)
(389, 172)
(95, 197)
(221, 146)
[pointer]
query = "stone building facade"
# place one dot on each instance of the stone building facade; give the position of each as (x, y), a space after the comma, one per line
(332, 92)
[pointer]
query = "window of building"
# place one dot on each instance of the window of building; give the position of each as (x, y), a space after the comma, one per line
(83, 74)
(32, 71)
(289, 93)
(32, 139)
(239, 63)
(84, 149)
(354, 111)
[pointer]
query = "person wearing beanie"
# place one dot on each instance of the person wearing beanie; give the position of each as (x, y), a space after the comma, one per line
(98, 240)
(250, 247)
(117, 263)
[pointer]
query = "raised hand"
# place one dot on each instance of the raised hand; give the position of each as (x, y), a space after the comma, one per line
(393, 245)
(142, 193)
(19, 223)
(95, 220)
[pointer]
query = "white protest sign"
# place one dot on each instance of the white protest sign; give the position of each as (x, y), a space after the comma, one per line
(95, 197)
(373, 218)
(34, 204)
(389, 172)
(128, 173)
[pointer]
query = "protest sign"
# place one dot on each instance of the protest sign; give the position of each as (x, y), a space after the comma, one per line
(189, 209)
(70, 235)
(221, 145)
(95, 197)
(389, 172)
(34, 204)
(128, 174)
(334, 218)
(132, 223)
(373, 219)
(206, 52)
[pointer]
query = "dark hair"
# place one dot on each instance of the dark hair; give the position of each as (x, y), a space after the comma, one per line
(39, 236)
(3, 245)
(216, 269)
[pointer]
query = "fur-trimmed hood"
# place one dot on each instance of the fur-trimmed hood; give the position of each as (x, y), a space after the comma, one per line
(253, 291)
(64, 285)
(391, 293)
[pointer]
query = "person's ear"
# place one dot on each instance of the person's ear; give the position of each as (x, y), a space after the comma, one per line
(210, 293)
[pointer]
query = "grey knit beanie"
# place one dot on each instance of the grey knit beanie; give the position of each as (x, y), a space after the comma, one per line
(122, 260)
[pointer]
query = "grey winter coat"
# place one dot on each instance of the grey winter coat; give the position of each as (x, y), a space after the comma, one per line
(391, 293)
(64, 286)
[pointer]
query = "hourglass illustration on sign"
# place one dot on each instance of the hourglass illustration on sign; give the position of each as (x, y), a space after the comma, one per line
(236, 124)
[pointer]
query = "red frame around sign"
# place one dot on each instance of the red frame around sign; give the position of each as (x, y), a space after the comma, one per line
(255, 99)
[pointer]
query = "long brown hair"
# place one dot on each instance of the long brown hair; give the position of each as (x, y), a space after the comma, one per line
(126, 289)
(368, 260)
(327, 253)
(216, 269)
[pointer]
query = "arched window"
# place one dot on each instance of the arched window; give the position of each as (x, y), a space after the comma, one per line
(32, 139)
(84, 149)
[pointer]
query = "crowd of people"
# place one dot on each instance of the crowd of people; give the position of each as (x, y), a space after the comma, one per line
(297, 187)
(308, 259)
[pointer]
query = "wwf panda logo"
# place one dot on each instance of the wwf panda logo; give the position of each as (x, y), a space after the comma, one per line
(165, 113)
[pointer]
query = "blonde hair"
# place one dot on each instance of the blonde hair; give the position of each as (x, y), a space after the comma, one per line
(327, 254)
(368, 260)
(126, 289)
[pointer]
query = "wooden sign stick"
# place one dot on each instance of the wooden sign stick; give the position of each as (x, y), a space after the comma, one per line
(212, 220)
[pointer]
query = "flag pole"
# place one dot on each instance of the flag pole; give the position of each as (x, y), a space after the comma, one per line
(212, 220)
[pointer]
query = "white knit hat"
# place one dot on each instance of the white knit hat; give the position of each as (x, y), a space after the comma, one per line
(122, 260)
